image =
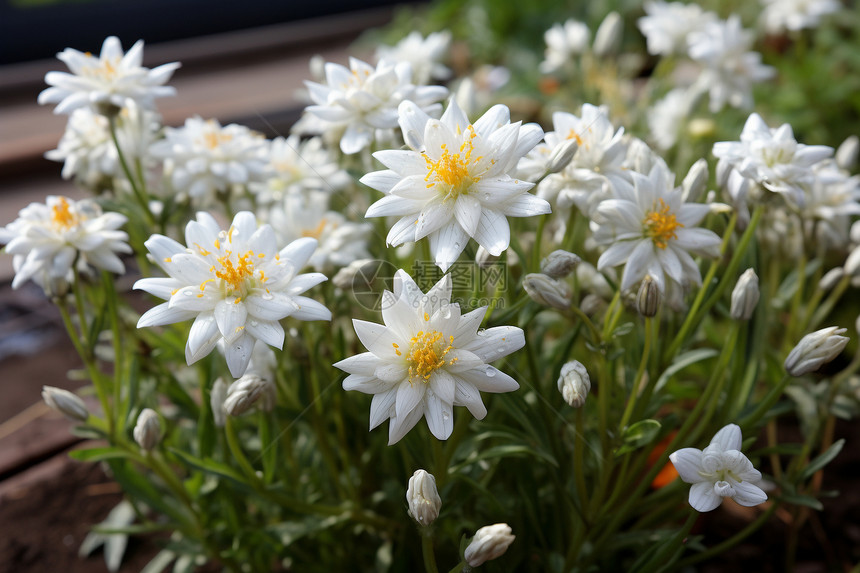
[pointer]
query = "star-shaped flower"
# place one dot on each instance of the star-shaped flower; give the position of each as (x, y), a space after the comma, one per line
(719, 471)
(455, 182)
(427, 358)
(234, 283)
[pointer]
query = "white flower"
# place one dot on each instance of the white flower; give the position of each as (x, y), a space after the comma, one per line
(46, 239)
(357, 101)
(719, 471)
(666, 117)
(649, 227)
(773, 158)
(87, 151)
(563, 41)
(147, 431)
(67, 403)
(425, 55)
(781, 15)
(202, 157)
(597, 164)
(249, 392)
(490, 542)
(745, 296)
(815, 349)
(295, 166)
(574, 383)
(607, 38)
(423, 497)
(730, 68)
(307, 215)
(113, 79)
(426, 358)
(667, 25)
(235, 284)
(830, 204)
(455, 183)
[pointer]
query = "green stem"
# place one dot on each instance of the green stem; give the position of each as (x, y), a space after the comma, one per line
(661, 558)
(427, 551)
(637, 380)
(535, 262)
(135, 188)
(238, 454)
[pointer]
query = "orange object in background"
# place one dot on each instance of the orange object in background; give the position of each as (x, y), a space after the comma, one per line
(668, 474)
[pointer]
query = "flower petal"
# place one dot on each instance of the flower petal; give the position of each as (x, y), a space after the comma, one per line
(703, 497)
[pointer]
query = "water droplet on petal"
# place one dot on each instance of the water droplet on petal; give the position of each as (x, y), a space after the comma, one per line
(490, 371)
(267, 296)
(187, 293)
(254, 323)
(446, 415)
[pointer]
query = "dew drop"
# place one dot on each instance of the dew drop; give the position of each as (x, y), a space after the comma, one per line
(486, 196)
(267, 296)
(446, 312)
(254, 323)
(457, 245)
(490, 371)
(187, 293)
(446, 415)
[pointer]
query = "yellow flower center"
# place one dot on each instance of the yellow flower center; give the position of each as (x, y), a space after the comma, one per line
(213, 139)
(427, 352)
(573, 135)
(62, 217)
(452, 169)
(105, 69)
(235, 273)
(660, 225)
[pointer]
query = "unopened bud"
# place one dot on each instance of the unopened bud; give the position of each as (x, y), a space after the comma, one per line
(854, 232)
(852, 263)
(607, 39)
(490, 542)
(147, 431)
(846, 154)
(695, 182)
(558, 264)
(217, 396)
(66, 403)
(592, 304)
(562, 155)
(648, 298)
(483, 258)
(547, 291)
(574, 383)
(247, 392)
(592, 280)
(815, 349)
(423, 498)
(830, 278)
(745, 296)
(355, 273)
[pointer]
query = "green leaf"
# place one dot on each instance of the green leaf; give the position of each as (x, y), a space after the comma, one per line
(683, 361)
(137, 486)
(506, 451)
(807, 500)
(823, 459)
(639, 434)
(98, 454)
(210, 466)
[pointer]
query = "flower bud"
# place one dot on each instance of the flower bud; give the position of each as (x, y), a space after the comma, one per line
(547, 291)
(147, 431)
(815, 349)
(248, 391)
(591, 304)
(490, 542)
(592, 280)
(483, 258)
(607, 39)
(562, 155)
(648, 298)
(745, 296)
(852, 263)
(217, 396)
(695, 182)
(846, 154)
(558, 264)
(574, 383)
(66, 403)
(356, 272)
(830, 278)
(423, 498)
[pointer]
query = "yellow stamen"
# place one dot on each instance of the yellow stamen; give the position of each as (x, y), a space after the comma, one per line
(236, 274)
(660, 225)
(317, 231)
(573, 135)
(427, 352)
(453, 169)
(61, 215)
